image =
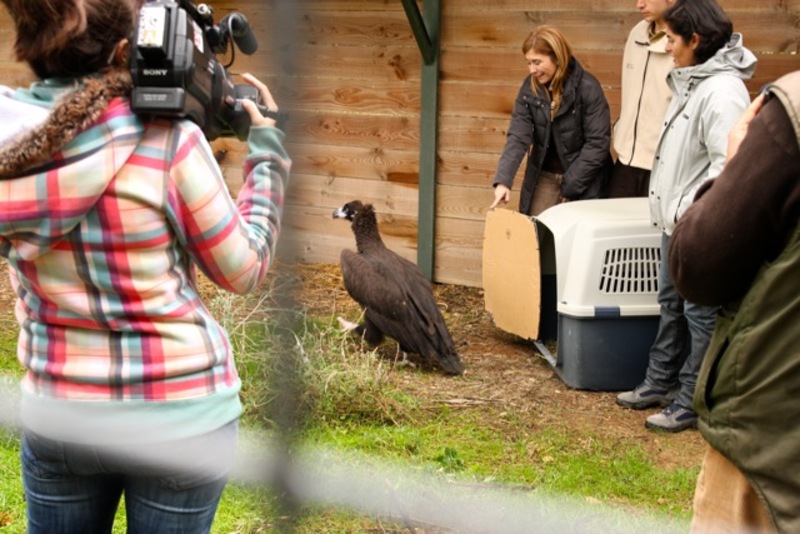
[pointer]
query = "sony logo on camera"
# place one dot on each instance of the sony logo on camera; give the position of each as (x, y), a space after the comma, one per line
(175, 71)
(154, 72)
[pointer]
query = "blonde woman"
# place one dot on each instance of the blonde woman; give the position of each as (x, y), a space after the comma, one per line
(561, 120)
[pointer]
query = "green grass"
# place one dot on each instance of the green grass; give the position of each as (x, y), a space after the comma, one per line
(551, 460)
(12, 501)
(9, 365)
(348, 401)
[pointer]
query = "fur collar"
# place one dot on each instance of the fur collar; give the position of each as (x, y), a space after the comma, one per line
(74, 114)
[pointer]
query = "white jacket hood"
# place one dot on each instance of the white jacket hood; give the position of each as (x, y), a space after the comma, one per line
(16, 116)
(732, 59)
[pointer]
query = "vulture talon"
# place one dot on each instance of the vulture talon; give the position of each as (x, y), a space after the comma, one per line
(347, 326)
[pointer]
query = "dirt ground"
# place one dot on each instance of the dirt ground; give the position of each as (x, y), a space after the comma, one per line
(505, 372)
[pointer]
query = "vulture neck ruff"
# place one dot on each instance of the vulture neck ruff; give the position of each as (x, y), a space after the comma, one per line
(365, 228)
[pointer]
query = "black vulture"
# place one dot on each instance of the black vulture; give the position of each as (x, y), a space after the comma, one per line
(396, 297)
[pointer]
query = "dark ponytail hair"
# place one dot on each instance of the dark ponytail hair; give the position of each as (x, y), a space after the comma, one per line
(705, 18)
(69, 38)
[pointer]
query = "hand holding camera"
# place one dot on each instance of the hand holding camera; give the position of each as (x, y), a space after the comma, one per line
(260, 115)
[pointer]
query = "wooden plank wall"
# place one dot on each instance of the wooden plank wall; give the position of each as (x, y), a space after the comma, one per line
(348, 71)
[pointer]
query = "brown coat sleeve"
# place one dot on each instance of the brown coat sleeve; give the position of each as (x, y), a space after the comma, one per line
(742, 218)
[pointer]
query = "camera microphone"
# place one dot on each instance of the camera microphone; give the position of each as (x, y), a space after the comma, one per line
(241, 32)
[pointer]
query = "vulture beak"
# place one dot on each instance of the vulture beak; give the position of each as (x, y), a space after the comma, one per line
(340, 213)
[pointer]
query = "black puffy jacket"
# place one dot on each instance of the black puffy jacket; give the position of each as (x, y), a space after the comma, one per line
(582, 130)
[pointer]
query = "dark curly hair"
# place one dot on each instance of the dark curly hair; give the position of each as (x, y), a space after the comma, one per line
(704, 18)
(69, 38)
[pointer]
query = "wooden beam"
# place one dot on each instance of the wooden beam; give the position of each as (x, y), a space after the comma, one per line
(426, 31)
(421, 32)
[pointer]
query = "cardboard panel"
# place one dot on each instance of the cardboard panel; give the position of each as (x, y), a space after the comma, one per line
(511, 272)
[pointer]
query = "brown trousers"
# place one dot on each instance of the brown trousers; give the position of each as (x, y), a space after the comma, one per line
(724, 501)
(547, 193)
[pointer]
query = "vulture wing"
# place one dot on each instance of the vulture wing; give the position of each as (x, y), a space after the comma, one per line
(399, 301)
(368, 282)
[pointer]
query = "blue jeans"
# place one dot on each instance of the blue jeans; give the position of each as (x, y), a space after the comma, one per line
(684, 332)
(73, 488)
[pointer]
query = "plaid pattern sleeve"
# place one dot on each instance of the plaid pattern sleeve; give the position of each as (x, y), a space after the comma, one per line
(232, 244)
(107, 304)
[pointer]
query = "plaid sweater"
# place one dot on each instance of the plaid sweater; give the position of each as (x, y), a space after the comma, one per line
(102, 245)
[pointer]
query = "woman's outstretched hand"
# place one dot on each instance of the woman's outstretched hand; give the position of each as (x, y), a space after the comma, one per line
(501, 194)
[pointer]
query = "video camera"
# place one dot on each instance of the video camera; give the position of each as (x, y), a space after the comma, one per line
(175, 71)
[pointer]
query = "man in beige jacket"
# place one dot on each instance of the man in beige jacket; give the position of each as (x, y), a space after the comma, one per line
(645, 97)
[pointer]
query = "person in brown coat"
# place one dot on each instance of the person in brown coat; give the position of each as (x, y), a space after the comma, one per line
(738, 246)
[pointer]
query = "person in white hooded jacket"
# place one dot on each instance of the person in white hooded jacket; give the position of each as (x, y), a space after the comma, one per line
(708, 98)
(709, 95)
